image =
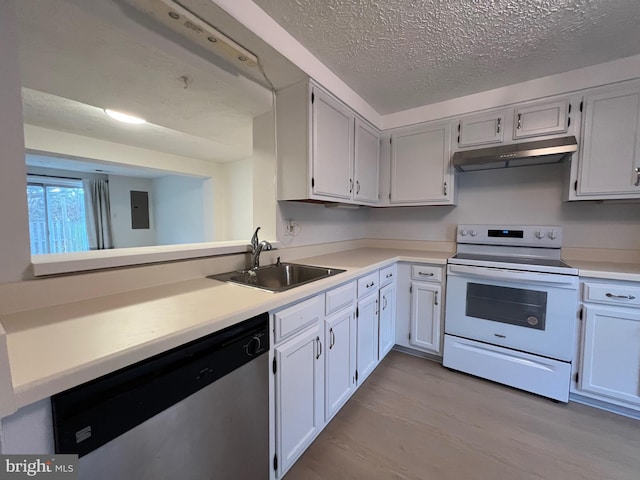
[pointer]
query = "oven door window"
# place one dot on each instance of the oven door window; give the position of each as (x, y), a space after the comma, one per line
(516, 306)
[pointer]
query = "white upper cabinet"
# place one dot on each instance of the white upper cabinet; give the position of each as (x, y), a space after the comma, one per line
(610, 155)
(541, 119)
(324, 151)
(421, 172)
(332, 147)
(483, 129)
(366, 164)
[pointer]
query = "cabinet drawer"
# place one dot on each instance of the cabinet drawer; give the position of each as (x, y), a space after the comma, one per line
(339, 298)
(426, 273)
(368, 284)
(387, 275)
(612, 294)
(295, 318)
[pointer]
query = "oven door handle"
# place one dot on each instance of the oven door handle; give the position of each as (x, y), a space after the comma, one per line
(513, 275)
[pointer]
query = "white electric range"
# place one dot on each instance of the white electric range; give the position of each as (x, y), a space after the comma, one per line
(511, 307)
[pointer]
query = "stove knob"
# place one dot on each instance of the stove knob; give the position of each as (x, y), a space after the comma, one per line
(464, 232)
(540, 234)
(552, 234)
(473, 233)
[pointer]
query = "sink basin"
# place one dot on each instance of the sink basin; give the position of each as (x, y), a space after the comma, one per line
(278, 277)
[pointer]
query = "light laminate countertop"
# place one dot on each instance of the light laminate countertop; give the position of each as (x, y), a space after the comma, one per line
(53, 349)
(607, 270)
(56, 348)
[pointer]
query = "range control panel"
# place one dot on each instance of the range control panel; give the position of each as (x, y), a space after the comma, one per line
(548, 236)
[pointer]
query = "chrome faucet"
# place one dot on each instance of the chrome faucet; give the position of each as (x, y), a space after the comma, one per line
(257, 247)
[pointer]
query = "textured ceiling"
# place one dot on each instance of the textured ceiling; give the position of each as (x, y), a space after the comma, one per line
(400, 54)
(80, 56)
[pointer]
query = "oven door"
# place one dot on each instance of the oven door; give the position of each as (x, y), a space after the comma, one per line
(528, 311)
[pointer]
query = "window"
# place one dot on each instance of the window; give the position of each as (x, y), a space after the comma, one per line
(57, 220)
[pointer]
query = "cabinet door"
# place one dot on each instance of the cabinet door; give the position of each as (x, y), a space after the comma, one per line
(481, 129)
(340, 360)
(420, 166)
(387, 330)
(299, 393)
(540, 119)
(367, 335)
(367, 154)
(332, 147)
(611, 353)
(426, 300)
(610, 156)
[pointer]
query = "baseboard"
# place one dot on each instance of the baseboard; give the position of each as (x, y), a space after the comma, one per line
(417, 353)
(592, 402)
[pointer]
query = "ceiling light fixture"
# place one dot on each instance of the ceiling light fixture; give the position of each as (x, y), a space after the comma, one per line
(123, 117)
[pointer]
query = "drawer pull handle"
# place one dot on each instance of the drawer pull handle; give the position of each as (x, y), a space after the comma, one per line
(369, 285)
(319, 343)
(426, 274)
(332, 342)
(389, 275)
(620, 297)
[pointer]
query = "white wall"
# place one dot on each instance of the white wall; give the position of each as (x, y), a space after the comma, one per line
(178, 210)
(525, 195)
(120, 200)
(264, 176)
(318, 224)
(238, 215)
(88, 148)
(15, 256)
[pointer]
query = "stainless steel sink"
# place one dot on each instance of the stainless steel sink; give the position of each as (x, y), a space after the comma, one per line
(278, 277)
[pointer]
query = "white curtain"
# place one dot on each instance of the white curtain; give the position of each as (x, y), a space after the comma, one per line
(98, 211)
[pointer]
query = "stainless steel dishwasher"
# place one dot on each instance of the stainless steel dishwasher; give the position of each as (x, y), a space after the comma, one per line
(199, 411)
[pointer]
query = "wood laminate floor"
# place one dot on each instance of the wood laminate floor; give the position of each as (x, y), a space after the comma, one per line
(414, 419)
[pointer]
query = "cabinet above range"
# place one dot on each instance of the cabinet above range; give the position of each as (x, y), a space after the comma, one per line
(326, 152)
(546, 119)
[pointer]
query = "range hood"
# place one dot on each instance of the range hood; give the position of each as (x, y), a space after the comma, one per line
(538, 152)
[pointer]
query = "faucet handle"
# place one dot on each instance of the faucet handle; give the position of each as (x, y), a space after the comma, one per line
(254, 239)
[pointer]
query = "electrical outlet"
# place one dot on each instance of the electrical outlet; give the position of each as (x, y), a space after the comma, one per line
(288, 228)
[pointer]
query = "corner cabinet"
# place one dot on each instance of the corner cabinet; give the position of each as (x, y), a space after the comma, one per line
(609, 166)
(419, 322)
(325, 151)
(421, 171)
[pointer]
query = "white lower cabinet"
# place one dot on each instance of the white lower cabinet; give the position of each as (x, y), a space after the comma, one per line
(340, 360)
(324, 348)
(367, 336)
(387, 320)
(611, 353)
(419, 311)
(299, 392)
(426, 314)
